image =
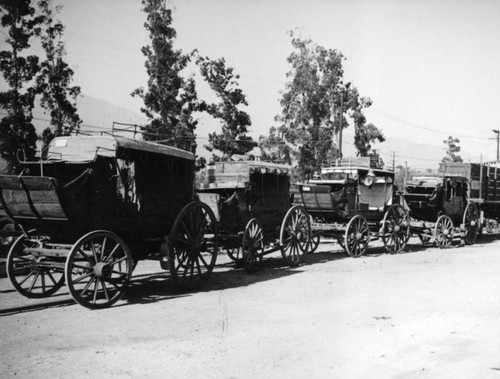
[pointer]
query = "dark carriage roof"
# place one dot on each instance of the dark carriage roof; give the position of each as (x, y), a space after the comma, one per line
(86, 148)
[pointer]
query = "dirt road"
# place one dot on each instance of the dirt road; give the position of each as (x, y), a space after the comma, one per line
(426, 313)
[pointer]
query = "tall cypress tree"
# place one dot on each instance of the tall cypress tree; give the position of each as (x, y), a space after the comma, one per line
(54, 78)
(17, 132)
(235, 122)
(169, 100)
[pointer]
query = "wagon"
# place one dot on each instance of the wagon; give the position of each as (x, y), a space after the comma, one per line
(483, 191)
(94, 207)
(440, 209)
(253, 208)
(355, 204)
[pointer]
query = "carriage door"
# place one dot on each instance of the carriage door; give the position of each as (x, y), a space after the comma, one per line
(454, 202)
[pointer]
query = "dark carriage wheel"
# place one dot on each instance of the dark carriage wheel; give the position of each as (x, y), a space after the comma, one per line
(395, 229)
(193, 246)
(252, 245)
(32, 276)
(235, 254)
(295, 233)
(471, 223)
(98, 269)
(357, 236)
(443, 231)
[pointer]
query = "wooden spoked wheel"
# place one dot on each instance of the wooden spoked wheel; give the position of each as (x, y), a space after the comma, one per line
(31, 275)
(357, 236)
(235, 254)
(295, 233)
(193, 245)
(471, 223)
(252, 245)
(395, 229)
(443, 231)
(98, 269)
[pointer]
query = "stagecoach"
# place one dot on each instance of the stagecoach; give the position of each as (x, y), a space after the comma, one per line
(94, 206)
(440, 209)
(253, 208)
(355, 204)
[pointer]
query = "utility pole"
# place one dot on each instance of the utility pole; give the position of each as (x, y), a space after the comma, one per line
(498, 142)
(393, 161)
(341, 123)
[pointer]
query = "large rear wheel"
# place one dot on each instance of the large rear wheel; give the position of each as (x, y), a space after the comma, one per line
(193, 245)
(98, 269)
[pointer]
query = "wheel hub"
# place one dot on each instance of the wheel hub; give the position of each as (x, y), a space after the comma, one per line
(359, 236)
(102, 270)
(397, 228)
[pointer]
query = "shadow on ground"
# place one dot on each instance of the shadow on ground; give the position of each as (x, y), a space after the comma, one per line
(151, 287)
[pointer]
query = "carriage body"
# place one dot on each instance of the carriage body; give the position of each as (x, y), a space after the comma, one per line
(251, 201)
(440, 208)
(133, 188)
(348, 200)
(94, 207)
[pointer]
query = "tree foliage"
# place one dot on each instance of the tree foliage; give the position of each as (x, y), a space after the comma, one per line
(314, 105)
(235, 122)
(364, 133)
(170, 100)
(16, 128)
(274, 148)
(452, 148)
(54, 78)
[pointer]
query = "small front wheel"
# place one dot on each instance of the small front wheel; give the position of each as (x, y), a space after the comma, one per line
(295, 234)
(252, 245)
(443, 231)
(471, 223)
(31, 275)
(395, 229)
(98, 269)
(357, 236)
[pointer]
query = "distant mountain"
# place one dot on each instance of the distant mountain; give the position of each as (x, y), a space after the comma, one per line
(97, 115)
(416, 156)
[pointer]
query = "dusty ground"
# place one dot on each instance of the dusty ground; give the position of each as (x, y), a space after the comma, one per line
(426, 313)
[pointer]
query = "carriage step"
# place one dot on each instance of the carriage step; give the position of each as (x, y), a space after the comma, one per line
(44, 252)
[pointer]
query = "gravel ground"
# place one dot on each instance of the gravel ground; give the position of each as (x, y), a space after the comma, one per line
(427, 313)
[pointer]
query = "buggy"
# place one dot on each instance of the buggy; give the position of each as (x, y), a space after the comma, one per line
(94, 206)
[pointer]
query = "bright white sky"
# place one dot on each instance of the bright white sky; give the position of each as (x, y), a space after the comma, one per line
(432, 68)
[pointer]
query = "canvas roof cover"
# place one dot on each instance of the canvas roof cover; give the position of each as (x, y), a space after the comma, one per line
(86, 148)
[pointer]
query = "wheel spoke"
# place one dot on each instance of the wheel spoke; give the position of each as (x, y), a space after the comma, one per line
(82, 277)
(105, 290)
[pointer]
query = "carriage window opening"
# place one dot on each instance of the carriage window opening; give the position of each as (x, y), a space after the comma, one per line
(449, 190)
(460, 190)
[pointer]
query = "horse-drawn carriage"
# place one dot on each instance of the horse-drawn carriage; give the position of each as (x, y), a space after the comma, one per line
(355, 204)
(94, 207)
(255, 217)
(440, 209)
